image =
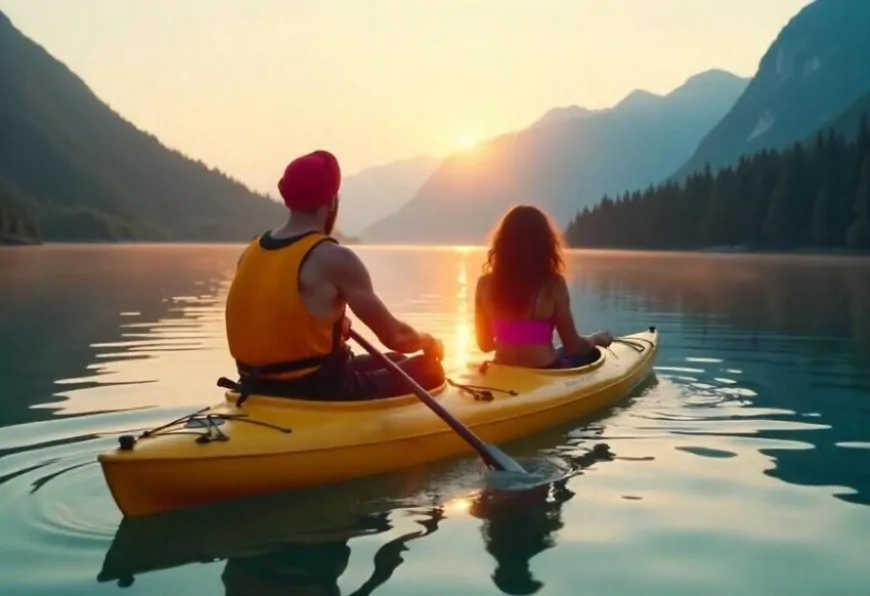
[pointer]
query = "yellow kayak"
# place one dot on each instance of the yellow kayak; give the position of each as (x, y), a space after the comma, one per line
(269, 444)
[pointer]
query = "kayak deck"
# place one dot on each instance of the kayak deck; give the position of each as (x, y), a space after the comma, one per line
(270, 444)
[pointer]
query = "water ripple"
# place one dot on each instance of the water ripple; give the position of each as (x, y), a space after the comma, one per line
(740, 468)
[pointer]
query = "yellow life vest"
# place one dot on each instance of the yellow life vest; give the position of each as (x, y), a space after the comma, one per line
(271, 333)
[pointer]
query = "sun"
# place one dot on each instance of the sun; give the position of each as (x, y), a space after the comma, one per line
(467, 142)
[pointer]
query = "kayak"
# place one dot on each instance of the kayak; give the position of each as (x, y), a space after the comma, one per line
(236, 449)
(239, 448)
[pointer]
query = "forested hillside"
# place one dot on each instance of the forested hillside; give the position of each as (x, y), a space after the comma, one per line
(814, 194)
(84, 173)
(814, 70)
(17, 224)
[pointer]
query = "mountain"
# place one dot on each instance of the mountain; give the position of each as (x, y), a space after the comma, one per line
(563, 115)
(565, 160)
(813, 194)
(379, 191)
(85, 173)
(848, 123)
(814, 70)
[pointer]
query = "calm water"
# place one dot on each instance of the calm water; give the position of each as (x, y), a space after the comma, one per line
(742, 468)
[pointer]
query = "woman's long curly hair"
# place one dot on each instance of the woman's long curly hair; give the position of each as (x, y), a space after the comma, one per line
(526, 252)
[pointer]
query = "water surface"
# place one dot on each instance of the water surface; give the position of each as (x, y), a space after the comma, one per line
(742, 467)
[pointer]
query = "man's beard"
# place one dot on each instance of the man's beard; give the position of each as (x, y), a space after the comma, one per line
(331, 218)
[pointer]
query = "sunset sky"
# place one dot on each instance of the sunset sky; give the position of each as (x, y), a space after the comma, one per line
(245, 86)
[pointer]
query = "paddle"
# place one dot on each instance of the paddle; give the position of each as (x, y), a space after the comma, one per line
(492, 456)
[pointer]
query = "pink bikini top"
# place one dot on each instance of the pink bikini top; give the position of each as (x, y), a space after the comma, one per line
(519, 332)
(524, 332)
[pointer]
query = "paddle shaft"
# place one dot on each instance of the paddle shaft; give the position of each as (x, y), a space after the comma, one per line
(489, 458)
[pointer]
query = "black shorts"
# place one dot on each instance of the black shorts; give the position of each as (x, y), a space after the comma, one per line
(362, 377)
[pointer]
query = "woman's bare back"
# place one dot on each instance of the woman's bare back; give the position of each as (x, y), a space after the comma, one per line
(540, 307)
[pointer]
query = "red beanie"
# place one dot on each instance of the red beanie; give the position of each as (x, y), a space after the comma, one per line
(310, 181)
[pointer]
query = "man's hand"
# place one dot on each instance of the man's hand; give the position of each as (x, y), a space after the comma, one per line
(432, 348)
(345, 328)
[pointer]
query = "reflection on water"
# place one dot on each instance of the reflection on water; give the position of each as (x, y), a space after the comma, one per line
(80, 322)
(741, 467)
(271, 544)
(301, 541)
(520, 525)
(780, 299)
(464, 321)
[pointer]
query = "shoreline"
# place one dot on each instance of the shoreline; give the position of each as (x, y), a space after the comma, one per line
(19, 241)
(16, 241)
(806, 250)
(803, 251)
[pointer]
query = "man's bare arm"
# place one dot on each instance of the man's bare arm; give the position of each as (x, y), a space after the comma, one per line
(350, 276)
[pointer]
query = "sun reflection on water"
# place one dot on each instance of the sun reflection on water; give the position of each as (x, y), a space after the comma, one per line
(458, 505)
(463, 324)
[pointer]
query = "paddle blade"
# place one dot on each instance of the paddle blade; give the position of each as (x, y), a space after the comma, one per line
(502, 461)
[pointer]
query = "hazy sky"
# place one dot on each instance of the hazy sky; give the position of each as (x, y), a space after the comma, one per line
(247, 84)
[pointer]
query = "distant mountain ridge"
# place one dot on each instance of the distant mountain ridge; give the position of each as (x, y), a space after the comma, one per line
(814, 194)
(817, 66)
(378, 191)
(565, 160)
(788, 168)
(84, 173)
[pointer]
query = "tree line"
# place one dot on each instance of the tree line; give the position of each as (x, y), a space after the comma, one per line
(16, 222)
(812, 194)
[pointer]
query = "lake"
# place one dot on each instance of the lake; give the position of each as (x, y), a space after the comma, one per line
(742, 467)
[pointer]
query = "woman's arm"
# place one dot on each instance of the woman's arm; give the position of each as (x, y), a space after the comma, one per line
(482, 324)
(573, 342)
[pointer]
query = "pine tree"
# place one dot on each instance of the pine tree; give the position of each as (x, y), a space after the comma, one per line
(802, 195)
(859, 233)
(718, 227)
(779, 222)
(862, 141)
(819, 231)
(862, 200)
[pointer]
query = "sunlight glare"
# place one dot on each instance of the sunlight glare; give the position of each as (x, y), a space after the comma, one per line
(458, 505)
(467, 142)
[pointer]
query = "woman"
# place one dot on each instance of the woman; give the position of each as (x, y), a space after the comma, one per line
(523, 297)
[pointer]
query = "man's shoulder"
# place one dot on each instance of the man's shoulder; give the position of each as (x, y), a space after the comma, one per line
(330, 248)
(334, 256)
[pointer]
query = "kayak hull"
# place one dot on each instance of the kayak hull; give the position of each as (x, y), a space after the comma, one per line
(330, 442)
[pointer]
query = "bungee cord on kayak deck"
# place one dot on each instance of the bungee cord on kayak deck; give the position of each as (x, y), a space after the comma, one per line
(635, 344)
(479, 392)
(209, 422)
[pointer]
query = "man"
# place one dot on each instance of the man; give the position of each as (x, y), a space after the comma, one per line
(285, 312)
